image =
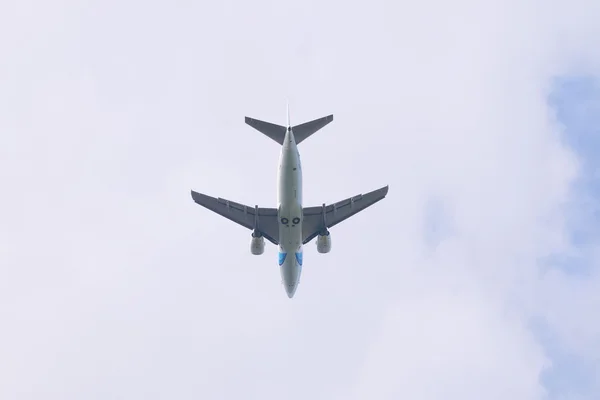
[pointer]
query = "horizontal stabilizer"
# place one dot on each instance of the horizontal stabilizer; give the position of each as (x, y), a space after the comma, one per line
(275, 132)
(306, 129)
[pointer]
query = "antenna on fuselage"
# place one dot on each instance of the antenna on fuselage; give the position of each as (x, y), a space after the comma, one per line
(289, 124)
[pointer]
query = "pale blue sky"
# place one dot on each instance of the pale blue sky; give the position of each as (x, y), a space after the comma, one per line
(113, 283)
(576, 101)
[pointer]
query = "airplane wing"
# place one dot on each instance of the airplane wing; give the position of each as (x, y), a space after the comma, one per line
(317, 219)
(262, 219)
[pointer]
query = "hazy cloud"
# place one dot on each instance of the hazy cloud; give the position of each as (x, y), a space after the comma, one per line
(114, 284)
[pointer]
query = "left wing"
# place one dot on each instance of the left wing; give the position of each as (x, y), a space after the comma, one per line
(318, 219)
(262, 219)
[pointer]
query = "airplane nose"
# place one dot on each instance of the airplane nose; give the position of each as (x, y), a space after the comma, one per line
(290, 289)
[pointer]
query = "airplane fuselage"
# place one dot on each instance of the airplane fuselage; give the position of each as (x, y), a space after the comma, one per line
(289, 201)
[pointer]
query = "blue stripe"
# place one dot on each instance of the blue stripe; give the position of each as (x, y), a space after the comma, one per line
(282, 258)
(299, 258)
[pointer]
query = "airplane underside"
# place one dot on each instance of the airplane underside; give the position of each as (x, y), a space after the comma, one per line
(290, 225)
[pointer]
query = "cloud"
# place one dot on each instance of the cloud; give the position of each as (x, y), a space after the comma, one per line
(456, 342)
(115, 284)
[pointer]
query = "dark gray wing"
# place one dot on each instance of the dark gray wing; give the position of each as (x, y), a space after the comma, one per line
(318, 219)
(262, 219)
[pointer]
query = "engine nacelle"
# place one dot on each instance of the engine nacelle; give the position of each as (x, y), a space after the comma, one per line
(257, 245)
(324, 243)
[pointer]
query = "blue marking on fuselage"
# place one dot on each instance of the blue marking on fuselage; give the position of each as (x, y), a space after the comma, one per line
(299, 258)
(282, 258)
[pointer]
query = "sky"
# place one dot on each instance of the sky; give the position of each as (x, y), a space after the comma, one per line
(477, 277)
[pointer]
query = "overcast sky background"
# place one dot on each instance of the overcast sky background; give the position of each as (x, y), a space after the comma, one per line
(476, 278)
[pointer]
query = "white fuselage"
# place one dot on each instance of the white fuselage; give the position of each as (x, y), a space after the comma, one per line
(289, 200)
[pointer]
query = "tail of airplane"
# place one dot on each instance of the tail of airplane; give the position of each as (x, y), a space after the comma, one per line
(277, 132)
(306, 129)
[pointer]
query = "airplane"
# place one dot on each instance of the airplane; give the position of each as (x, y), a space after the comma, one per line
(290, 225)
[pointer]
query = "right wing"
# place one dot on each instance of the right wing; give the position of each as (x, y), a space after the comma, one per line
(318, 219)
(262, 219)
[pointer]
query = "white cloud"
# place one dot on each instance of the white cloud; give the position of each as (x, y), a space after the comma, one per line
(115, 283)
(453, 342)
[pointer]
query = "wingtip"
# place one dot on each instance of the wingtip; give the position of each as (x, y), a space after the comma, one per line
(195, 195)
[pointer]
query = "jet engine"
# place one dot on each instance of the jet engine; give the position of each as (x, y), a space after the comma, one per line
(257, 244)
(324, 243)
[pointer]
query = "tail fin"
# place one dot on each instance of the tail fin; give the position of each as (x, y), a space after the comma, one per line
(277, 132)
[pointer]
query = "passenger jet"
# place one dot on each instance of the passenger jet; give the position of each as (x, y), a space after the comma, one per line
(290, 225)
